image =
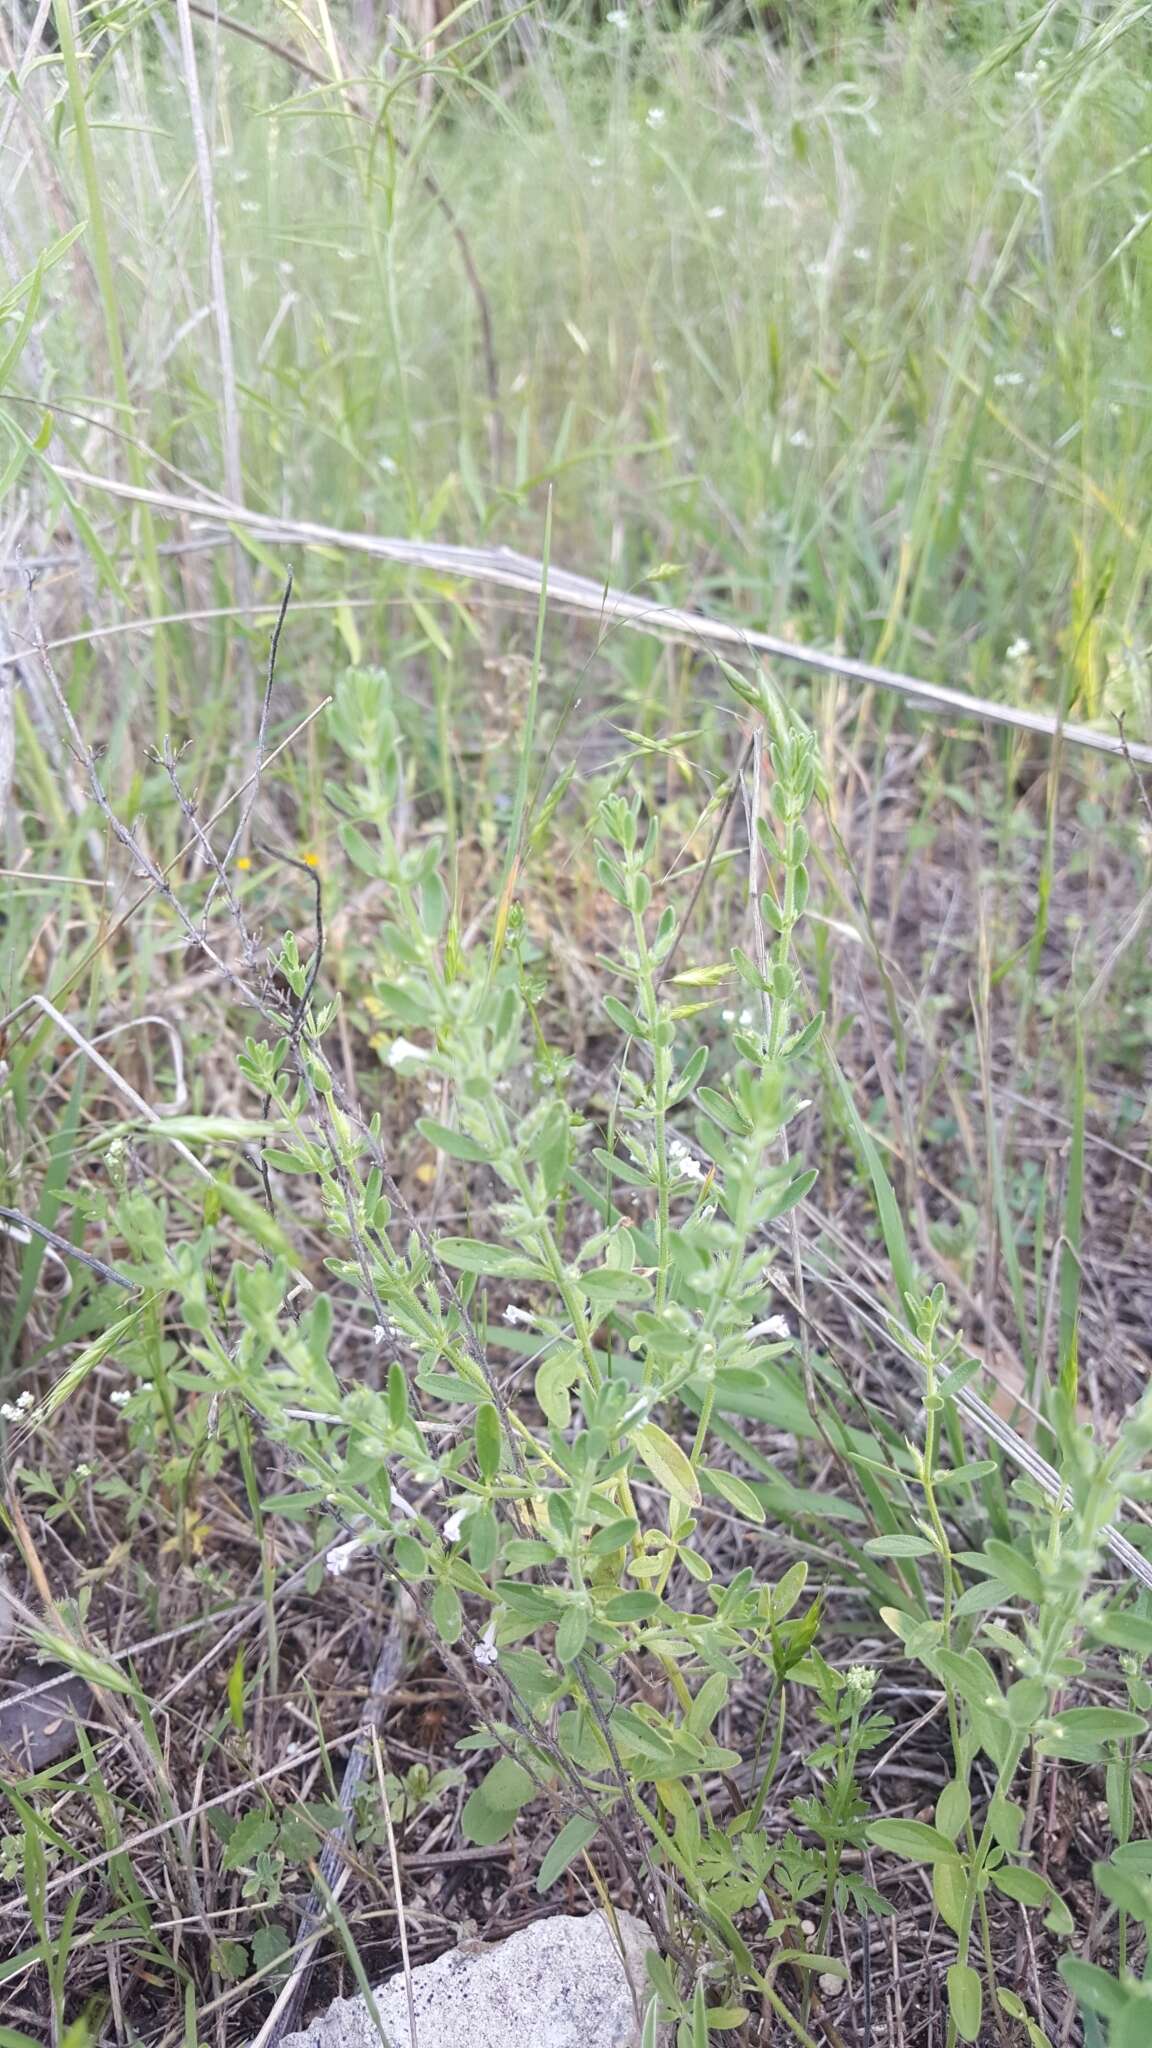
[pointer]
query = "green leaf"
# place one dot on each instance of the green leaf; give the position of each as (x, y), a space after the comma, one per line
(572, 1634)
(1006, 1821)
(361, 851)
(1097, 1990)
(632, 1606)
(554, 1377)
(811, 1959)
(402, 1004)
(608, 1285)
(269, 1943)
(471, 1255)
(614, 1536)
(735, 1491)
(912, 1839)
(552, 1148)
(953, 1808)
(488, 1440)
(626, 1020)
(454, 1143)
(447, 1615)
(965, 2000)
(900, 1546)
(1124, 1632)
(1079, 1731)
(724, 1112)
(1010, 1569)
(667, 1463)
(690, 1073)
(490, 1811)
(248, 1838)
(949, 1891)
(1130, 2029)
(1026, 1887)
(574, 1836)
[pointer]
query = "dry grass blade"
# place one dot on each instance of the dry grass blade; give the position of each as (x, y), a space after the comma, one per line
(513, 571)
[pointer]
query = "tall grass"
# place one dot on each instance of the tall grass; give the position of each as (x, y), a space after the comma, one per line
(853, 343)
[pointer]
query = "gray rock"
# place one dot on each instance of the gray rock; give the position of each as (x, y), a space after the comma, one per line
(560, 1983)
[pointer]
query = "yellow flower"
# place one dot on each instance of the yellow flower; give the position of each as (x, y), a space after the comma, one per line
(244, 863)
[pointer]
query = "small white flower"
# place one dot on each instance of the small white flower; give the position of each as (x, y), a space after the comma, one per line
(863, 254)
(486, 1652)
(24, 1401)
(775, 1327)
(860, 1679)
(120, 1397)
(1017, 649)
(83, 1471)
(1119, 333)
(381, 1331)
(716, 213)
(800, 439)
(728, 1016)
(455, 1523)
(11, 1412)
(514, 1315)
(594, 163)
(402, 1053)
(1004, 377)
(655, 117)
(617, 17)
(338, 1560)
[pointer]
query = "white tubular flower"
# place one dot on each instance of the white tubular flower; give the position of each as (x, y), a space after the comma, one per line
(338, 1559)
(455, 1523)
(402, 1053)
(515, 1315)
(486, 1652)
(775, 1327)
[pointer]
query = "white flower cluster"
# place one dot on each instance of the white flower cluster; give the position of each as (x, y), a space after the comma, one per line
(682, 1163)
(15, 1411)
